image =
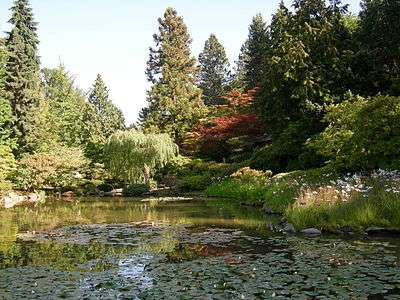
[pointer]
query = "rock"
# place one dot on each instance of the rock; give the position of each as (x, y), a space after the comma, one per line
(270, 227)
(69, 194)
(13, 199)
(378, 231)
(346, 229)
(289, 228)
(311, 231)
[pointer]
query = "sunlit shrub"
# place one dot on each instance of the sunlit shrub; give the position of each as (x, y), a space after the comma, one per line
(59, 167)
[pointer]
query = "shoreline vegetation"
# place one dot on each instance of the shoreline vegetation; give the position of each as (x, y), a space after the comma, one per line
(305, 124)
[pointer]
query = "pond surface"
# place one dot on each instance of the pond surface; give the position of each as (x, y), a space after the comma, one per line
(185, 249)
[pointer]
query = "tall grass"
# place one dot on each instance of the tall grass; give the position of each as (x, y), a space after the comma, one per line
(378, 208)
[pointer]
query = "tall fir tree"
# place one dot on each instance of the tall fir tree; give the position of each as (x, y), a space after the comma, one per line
(174, 101)
(111, 118)
(22, 79)
(5, 108)
(253, 53)
(378, 62)
(214, 75)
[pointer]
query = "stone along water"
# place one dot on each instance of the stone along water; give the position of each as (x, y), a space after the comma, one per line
(181, 249)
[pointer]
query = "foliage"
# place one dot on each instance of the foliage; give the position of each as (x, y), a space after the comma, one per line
(213, 138)
(214, 75)
(102, 118)
(22, 78)
(57, 168)
(175, 103)
(135, 190)
(59, 115)
(253, 53)
(362, 133)
(133, 156)
(7, 165)
(377, 61)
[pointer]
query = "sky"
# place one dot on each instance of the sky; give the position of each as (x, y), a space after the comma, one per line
(113, 37)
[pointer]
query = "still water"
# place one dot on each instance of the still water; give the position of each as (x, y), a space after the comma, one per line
(182, 249)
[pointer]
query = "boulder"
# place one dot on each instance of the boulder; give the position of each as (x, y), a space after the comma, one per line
(14, 199)
(311, 231)
(289, 228)
(346, 229)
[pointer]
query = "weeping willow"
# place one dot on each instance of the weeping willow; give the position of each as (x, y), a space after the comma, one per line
(133, 156)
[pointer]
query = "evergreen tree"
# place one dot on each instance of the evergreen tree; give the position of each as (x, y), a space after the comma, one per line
(378, 61)
(22, 70)
(102, 119)
(111, 117)
(214, 73)
(174, 100)
(59, 117)
(5, 109)
(253, 53)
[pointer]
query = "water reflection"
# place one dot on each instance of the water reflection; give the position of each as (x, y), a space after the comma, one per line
(107, 248)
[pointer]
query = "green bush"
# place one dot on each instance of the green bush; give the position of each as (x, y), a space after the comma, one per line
(7, 165)
(362, 134)
(194, 183)
(135, 190)
(288, 150)
(105, 187)
(58, 168)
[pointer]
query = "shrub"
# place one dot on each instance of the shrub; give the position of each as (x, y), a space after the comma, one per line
(194, 182)
(57, 168)
(362, 134)
(135, 190)
(105, 187)
(7, 165)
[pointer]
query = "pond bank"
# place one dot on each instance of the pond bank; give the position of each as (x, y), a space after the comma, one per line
(320, 199)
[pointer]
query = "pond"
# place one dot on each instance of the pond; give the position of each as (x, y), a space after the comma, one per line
(182, 248)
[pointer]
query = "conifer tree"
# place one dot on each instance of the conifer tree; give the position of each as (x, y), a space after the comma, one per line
(5, 109)
(174, 100)
(253, 53)
(22, 79)
(102, 118)
(214, 75)
(378, 61)
(111, 118)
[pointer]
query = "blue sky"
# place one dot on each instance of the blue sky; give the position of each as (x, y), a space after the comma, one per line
(113, 37)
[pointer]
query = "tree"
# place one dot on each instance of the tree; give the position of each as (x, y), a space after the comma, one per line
(133, 156)
(60, 115)
(6, 157)
(111, 118)
(214, 73)
(377, 64)
(174, 101)
(5, 108)
(253, 53)
(22, 70)
(102, 119)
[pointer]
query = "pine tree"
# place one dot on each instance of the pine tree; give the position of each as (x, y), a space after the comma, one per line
(5, 108)
(22, 70)
(214, 75)
(253, 53)
(111, 118)
(102, 119)
(378, 61)
(174, 100)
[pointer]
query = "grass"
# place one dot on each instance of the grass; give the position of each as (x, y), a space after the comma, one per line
(271, 197)
(310, 199)
(379, 208)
